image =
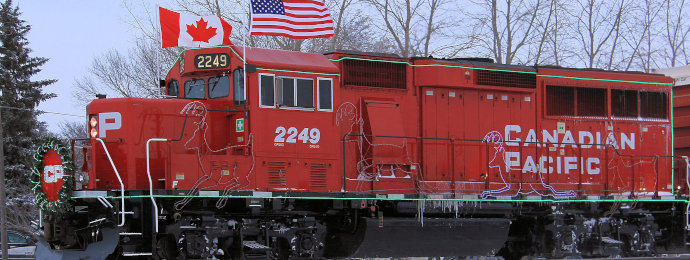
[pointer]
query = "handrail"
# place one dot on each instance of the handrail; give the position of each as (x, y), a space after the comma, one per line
(617, 151)
(687, 182)
(148, 173)
(122, 185)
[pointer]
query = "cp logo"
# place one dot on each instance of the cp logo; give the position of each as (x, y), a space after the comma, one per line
(108, 121)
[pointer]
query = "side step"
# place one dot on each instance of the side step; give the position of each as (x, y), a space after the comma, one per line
(253, 245)
(136, 254)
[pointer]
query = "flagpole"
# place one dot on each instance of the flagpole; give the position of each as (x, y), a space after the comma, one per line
(244, 52)
(158, 52)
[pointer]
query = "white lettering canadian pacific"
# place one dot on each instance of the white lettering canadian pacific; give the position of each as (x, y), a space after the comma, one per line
(576, 146)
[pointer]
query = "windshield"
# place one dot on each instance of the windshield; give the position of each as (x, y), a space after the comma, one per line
(218, 87)
(194, 89)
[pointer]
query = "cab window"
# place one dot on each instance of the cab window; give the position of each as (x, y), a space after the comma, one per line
(295, 92)
(238, 87)
(194, 89)
(173, 88)
(325, 93)
(305, 93)
(266, 91)
(218, 87)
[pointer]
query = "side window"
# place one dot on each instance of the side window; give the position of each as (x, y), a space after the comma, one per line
(16, 238)
(285, 92)
(218, 87)
(194, 89)
(173, 88)
(266, 97)
(295, 92)
(238, 95)
(325, 92)
(305, 93)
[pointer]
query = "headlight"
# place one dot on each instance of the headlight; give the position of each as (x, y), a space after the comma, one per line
(93, 126)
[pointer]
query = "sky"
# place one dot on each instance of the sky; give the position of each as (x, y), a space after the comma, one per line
(71, 33)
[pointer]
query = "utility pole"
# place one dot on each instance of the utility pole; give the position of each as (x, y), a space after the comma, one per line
(3, 199)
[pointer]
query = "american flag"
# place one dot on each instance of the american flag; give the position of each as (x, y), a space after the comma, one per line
(297, 19)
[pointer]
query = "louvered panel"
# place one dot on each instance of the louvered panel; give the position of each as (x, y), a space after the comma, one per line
(276, 174)
(368, 73)
(506, 79)
(318, 175)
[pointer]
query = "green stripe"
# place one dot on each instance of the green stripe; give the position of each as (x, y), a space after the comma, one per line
(435, 65)
(609, 80)
(303, 72)
(389, 199)
(502, 70)
(474, 68)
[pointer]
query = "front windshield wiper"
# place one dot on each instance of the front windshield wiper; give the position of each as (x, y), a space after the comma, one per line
(213, 87)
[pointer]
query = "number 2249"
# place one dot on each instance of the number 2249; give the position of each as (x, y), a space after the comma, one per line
(312, 135)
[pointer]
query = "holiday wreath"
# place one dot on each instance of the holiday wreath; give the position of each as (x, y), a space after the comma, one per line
(51, 175)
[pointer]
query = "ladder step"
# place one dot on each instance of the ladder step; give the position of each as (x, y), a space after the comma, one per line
(136, 254)
(255, 245)
(129, 234)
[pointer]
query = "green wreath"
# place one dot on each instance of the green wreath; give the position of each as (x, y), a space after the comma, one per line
(62, 203)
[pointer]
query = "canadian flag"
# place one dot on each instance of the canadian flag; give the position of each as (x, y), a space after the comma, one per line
(192, 31)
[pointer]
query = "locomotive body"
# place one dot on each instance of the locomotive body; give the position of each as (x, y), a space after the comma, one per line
(368, 155)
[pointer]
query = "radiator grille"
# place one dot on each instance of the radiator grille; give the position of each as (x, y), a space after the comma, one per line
(318, 175)
(506, 79)
(374, 74)
(276, 174)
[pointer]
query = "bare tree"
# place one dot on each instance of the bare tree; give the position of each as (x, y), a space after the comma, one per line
(507, 26)
(640, 37)
(545, 24)
(398, 17)
(597, 26)
(134, 74)
(676, 31)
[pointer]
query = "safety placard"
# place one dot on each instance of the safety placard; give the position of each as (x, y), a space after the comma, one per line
(239, 125)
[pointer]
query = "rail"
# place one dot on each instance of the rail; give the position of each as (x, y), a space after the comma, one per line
(148, 173)
(122, 185)
(687, 182)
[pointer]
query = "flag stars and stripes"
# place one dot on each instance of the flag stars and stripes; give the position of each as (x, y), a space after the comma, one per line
(291, 18)
(268, 7)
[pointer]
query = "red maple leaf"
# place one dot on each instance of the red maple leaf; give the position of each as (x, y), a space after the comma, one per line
(199, 32)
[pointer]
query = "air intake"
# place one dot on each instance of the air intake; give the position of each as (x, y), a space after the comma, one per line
(506, 79)
(379, 74)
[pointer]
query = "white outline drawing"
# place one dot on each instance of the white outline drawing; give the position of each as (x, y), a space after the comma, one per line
(496, 138)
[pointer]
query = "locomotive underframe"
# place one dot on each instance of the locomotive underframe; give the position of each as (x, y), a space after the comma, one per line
(297, 226)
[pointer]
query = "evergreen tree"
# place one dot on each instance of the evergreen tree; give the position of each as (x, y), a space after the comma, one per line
(20, 96)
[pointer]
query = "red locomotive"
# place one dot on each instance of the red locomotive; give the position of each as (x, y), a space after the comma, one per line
(370, 155)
